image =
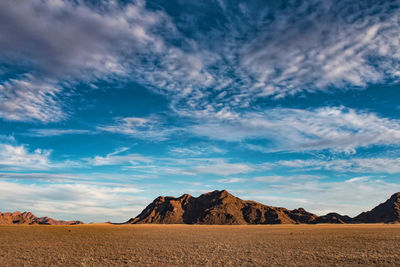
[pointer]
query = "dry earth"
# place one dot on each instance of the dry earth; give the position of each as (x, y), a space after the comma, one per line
(195, 245)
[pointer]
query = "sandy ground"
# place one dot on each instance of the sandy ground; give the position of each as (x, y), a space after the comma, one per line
(195, 245)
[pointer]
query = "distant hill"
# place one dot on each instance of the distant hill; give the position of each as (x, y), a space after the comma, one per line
(29, 218)
(387, 212)
(221, 207)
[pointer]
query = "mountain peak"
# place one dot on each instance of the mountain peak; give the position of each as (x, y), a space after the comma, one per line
(218, 194)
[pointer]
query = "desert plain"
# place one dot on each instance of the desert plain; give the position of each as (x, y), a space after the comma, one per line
(200, 245)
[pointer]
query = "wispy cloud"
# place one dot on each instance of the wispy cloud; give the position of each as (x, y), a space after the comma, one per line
(335, 128)
(45, 132)
(197, 150)
(277, 179)
(221, 167)
(142, 128)
(341, 44)
(359, 165)
(307, 46)
(231, 180)
(115, 158)
(197, 166)
(29, 99)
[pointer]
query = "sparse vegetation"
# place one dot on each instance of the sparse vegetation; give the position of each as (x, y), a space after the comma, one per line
(190, 245)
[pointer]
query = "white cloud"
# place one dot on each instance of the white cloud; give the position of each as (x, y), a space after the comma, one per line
(335, 128)
(358, 179)
(231, 180)
(18, 157)
(142, 128)
(279, 129)
(30, 99)
(195, 167)
(45, 132)
(196, 150)
(277, 179)
(14, 157)
(74, 201)
(270, 179)
(44, 176)
(220, 167)
(115, 158)
(359, 165)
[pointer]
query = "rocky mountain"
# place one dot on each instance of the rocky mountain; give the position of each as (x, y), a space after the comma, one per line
(387, 212)
(221, 207)
(29, 218)
(217, 207)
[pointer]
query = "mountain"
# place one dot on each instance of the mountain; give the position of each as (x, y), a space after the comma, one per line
(221, 207)
(28, 218)
(217, 207)
(387, 212)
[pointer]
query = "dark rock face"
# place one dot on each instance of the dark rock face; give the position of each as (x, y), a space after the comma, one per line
(217, 207)
(387, 212)
(28, 218)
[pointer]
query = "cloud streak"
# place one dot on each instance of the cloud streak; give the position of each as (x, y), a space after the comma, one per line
(46, 132)
(115, 158)
(285, 129)
(142, 128)
(358, 165)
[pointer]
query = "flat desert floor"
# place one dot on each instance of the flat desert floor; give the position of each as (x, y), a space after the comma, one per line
(195, 245)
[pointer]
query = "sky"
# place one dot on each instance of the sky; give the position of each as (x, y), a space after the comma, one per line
(105, 105)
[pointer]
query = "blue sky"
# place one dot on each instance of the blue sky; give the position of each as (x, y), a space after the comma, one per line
(105, 105)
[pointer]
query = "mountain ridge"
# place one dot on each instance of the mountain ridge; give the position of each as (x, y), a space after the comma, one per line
(28, 218)
(221, 207)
